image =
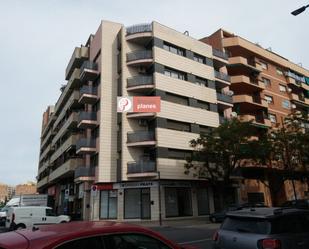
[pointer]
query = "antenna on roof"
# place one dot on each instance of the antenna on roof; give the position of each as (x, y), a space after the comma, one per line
(269, 49)
(186, 33)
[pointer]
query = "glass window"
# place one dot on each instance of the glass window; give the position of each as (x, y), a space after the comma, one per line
(49, 212)
(174, 74)
(264, 65)
(178, 202)
(266, 82)
(177, 125)
(93, 243)
(199, 58)
(108, 204)
(203, 105)
(286, 104)
(246, 225)
(269, 99)
(279, 71)
(177, 99)
(133, 241)
(179, 154)
(272, 118)
(282, 88)
(202, 201)
(173, 49)
(287, 224)
(201, 81)
(137, 203)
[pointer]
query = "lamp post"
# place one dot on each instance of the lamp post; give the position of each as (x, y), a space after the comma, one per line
(300, 10)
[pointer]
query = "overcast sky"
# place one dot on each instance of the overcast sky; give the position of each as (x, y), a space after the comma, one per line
(37, 39)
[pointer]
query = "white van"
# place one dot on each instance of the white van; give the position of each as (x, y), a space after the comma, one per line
(24, 217)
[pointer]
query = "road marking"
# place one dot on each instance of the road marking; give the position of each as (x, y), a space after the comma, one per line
(194, 241)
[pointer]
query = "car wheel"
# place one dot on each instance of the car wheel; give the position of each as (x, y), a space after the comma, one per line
(20, 226)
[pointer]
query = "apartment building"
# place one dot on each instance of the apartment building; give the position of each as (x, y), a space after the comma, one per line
(26, 188)
(267, 87)
(101, 164)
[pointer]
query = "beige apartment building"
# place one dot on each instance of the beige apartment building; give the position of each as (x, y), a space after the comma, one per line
(135, 160)
(26, 188)
(267, 87)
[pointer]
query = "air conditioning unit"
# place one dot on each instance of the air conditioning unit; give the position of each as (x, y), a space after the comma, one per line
(289, 90)
(142, 122)
(293, 106)
(233, 114)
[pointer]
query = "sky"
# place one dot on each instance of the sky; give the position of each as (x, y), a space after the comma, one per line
(37, 39)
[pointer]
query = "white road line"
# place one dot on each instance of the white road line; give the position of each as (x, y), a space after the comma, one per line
(194, 241)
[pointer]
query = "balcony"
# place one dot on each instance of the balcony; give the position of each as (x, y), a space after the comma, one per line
(260, 122)
(141, 138)
(83, 173)
(299, 100)
(142, 169)
(241, 82)
(89, 71)
(249, 103)
(78, 57)
(42, 182)
(140, 58)
(47, 151)
(240, 64)
(86, 146)
(141, 33)
(222, 78)
(87, 120)
(65, 146)
(141, 115)
(140, 83)
(220, 58)
(88, 95)
(65, 170)
(225, 98)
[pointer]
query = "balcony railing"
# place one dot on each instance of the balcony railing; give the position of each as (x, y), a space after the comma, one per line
(140, 136)
(222, 76)
(87, 116)
(83, 171)
(225, 98)
(88, 65)
(220, 54)
(222, 119)
(139, 55)
(86, 143)
(141, 167)
(89, 90)
(140, 80)
(139, 28)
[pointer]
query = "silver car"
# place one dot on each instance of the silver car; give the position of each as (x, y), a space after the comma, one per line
(264, 228)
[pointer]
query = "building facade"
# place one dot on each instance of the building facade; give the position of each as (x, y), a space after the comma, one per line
(27, 188)
(100, 164)
(267, 87)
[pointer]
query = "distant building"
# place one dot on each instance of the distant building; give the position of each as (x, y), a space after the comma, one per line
(27, 188)
(6, 192)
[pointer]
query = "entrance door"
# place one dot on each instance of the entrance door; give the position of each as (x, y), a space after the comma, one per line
(145, 203)
(137, 203)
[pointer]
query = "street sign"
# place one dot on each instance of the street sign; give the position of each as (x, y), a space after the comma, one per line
(94, 190)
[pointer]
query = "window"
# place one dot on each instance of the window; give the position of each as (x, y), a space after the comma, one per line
(286, 104)
(108, 204)
(272, 118)
(282, 88)
(137, 203)
(177, 99)
(179, 154)
(177, 125)
(269, 99)
(175, 74)
(266, 81)
(92, 242)
(173, 49)
(279, 71)
(259, 226)
(199, 58)
(201, 81)
(264, 65)
(49, 212)
(204, 129)
(203, 105)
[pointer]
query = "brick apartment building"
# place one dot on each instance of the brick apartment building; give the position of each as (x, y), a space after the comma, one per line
(85, 142)
(267, 87)
(6, 192)
(27, 188)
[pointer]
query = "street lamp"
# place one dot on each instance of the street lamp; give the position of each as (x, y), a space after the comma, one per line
(300, 10)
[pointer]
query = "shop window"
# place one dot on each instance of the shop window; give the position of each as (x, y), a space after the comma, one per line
(108, 204)
(137, 203)
(202, 201)
(178, 202)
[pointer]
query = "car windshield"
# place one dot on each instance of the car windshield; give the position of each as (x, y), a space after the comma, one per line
(4, 209)
(246, 225)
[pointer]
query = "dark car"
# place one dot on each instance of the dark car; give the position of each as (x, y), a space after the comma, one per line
(264, 228)
(301, 203)
(86, 235)
(219, 216)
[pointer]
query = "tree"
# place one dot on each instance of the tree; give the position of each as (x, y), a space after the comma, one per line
(217, 154)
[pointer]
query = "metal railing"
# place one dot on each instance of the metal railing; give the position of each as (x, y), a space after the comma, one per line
(219, 53)
(88, 65)
(141, 167)
(222, 76)
(224, 98)
(87, 116)
(85, 142)
(222, 119)
(139, 55)
(139, 28)
(140, 136)
(89, 90)
(84, 171)
(140, 80)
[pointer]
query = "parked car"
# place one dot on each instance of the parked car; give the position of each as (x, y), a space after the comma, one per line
(83, 234)
(301, 203)
(219, 216)
(264, 228)
(3, 212)
(23, 217)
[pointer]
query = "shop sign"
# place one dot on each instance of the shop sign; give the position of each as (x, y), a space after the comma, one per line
(139, 104)
(177, 184)
(148, 184)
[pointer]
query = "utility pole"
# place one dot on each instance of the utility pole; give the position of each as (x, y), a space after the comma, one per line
(159, 193)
